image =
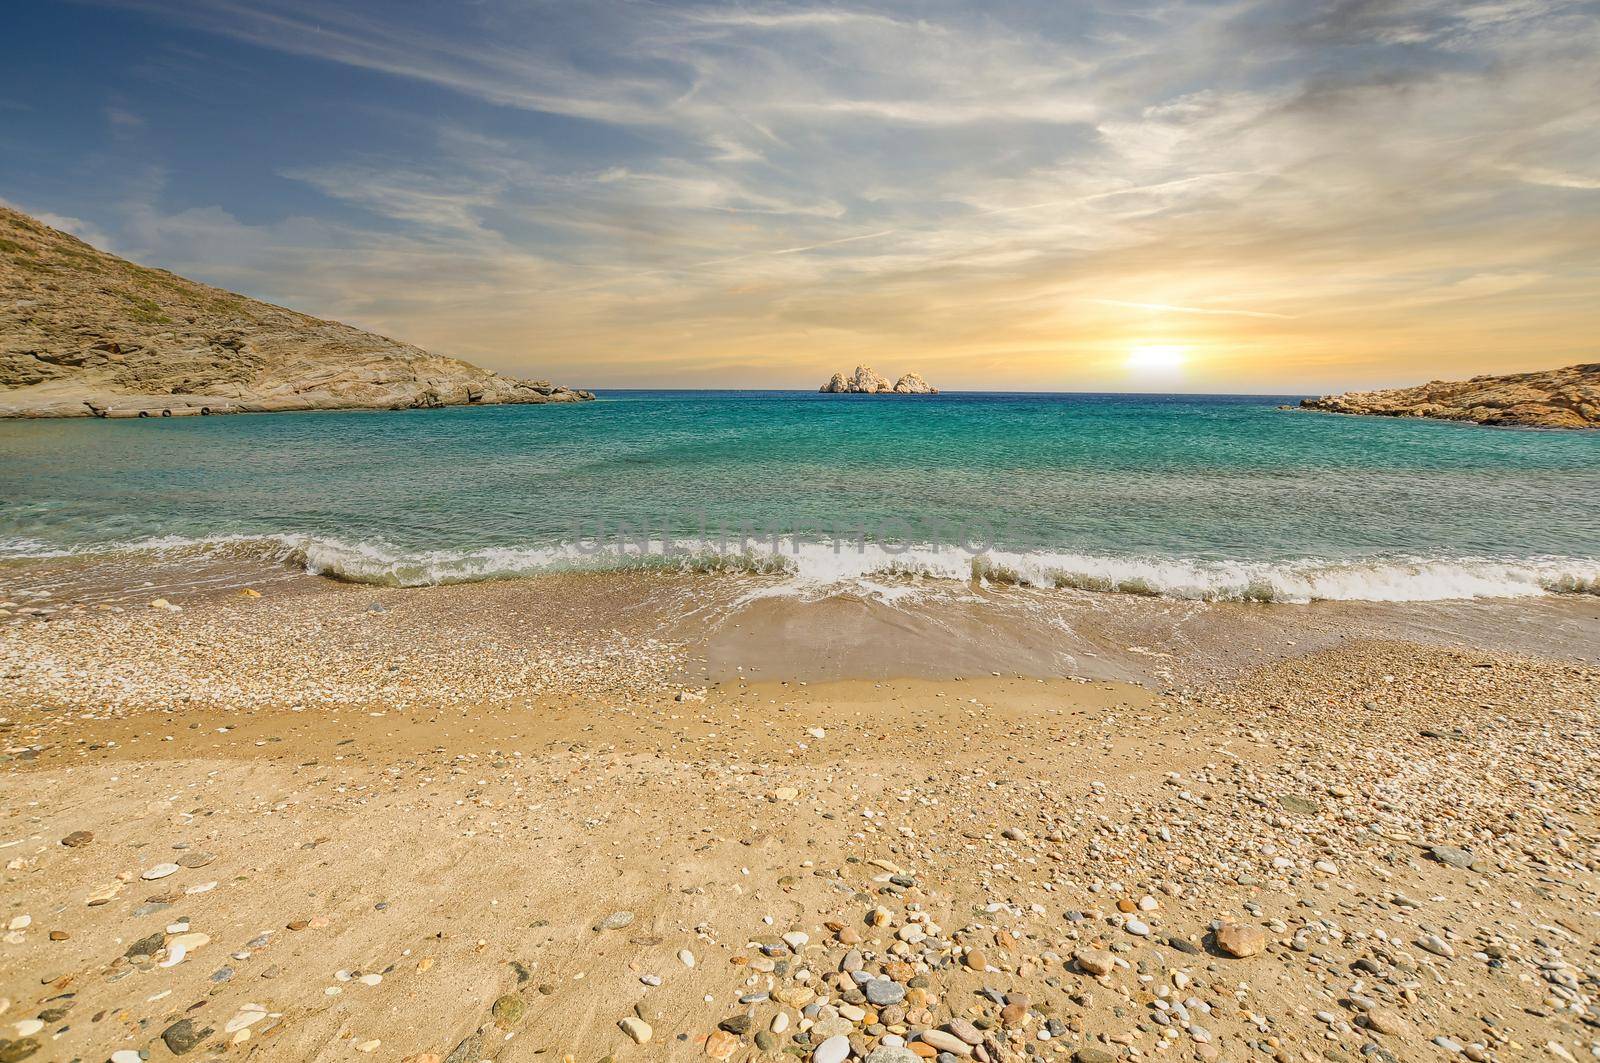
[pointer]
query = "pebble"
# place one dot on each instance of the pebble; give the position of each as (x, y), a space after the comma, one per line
(160, 871)
(882, 992)
(835, 1049)
(246, 1017)
(615, 921)
(1241, 941)
(892, 1054)
(946, 1042)
(1437, 945)
(964, 1029)
(636, 1028)
(508, 1011)
(1097, 962)
(182, 1036)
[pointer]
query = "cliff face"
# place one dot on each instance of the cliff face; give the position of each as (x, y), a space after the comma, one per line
(867, 382)
(83, 332)
(1557, 398)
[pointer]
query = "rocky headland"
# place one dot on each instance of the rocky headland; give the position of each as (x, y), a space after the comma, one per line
(865, 381)
(1555, 398)
(85, 333)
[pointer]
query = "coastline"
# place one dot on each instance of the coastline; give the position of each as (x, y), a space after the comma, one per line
(25, 404)
(1060, 842)
(1565, 399)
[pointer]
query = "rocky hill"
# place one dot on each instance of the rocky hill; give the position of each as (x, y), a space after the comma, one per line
(1556, 398)
(866, 382)
(83, 332)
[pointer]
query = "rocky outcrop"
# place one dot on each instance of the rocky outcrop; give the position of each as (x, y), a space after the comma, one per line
(1556, 398)
(865, 381)
(913, 384)
(83, 332)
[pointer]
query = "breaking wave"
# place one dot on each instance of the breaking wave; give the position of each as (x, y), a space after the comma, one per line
(812, 567)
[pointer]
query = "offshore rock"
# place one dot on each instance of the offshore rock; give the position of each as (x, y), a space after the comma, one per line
(866, 381)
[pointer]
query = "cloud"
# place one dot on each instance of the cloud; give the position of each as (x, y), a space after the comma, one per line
(799, 185)
(120, 118)
(1536, 175)
(1168, 308)
(436, 201)
(1477, 286)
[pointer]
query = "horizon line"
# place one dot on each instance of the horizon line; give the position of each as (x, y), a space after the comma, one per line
(962, 391)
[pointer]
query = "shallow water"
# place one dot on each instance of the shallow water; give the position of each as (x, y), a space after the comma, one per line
(1205, 497)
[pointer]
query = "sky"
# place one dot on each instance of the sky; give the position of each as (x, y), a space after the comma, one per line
(1143, 196)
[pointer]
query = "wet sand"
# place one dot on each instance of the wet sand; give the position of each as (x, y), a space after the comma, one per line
(710, 628)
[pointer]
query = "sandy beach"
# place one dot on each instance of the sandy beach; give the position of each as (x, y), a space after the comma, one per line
(552, 819)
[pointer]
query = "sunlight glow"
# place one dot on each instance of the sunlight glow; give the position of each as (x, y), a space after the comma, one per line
(1156, 358)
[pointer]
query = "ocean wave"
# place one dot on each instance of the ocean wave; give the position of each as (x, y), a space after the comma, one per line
(810, 568)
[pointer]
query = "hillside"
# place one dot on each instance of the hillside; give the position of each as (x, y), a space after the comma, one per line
(1554, 398)
(83, 332)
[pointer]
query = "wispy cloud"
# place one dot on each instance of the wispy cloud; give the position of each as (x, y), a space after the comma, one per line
(1168, 308)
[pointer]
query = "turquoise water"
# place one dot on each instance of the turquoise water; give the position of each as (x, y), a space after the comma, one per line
(1191, 496)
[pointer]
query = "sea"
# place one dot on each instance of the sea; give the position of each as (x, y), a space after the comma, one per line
(1226, 497)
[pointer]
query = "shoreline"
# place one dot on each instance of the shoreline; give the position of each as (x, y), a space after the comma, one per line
(815, 566)
(714, 626)
(708, 628)
(119, 407)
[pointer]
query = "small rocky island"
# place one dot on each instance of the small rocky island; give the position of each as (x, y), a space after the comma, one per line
(85, 333)
(865, 381)
(1555, 398)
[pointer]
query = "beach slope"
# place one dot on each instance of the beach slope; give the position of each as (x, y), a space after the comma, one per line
(323, 821)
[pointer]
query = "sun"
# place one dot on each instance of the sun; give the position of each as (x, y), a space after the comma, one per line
(1155, 358)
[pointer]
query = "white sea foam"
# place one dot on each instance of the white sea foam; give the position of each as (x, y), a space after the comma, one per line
(812, 568)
